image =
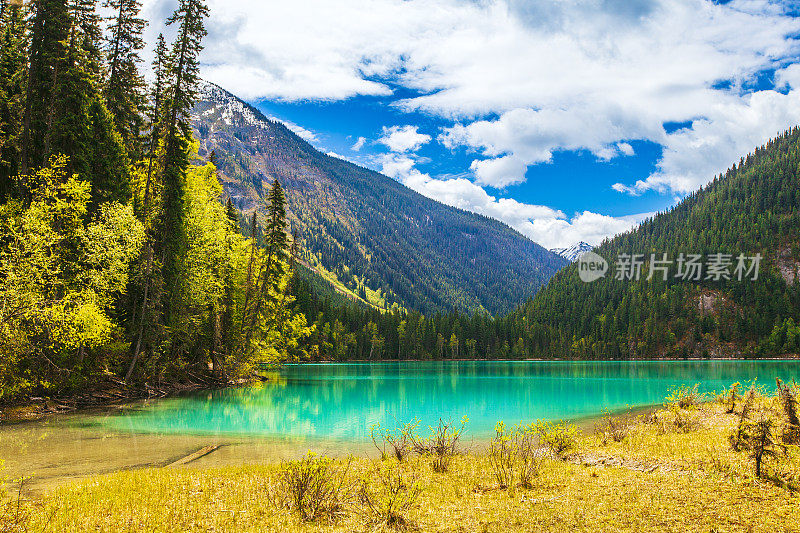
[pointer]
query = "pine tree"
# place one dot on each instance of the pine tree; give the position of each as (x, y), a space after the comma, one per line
(182, 72)
(12, 74)
(82, 127)
(49, 32)
(124, 85)
(155, 115)
(274, 266)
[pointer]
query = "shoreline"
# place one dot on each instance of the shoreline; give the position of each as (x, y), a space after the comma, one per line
(115, 392)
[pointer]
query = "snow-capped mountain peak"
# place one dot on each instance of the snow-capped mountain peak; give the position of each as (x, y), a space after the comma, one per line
(573, 252)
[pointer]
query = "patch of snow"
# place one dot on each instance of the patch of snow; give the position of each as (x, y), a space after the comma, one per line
(574, 252)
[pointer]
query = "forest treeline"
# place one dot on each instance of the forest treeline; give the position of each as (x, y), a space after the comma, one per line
(117, 257)
(753, 208)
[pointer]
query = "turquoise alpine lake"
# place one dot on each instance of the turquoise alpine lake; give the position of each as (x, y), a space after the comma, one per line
(342, 401)
(329, 409)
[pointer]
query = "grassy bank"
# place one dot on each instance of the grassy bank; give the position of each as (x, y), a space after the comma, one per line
(675, 470)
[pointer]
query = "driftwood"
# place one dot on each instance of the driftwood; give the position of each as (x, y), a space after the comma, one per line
(202, 452)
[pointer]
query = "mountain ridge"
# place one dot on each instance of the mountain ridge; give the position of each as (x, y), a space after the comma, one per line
(381, 240)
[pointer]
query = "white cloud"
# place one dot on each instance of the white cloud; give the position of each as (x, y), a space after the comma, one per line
(300, 131)
(788, 77)
(547, 226)
(626, 149)
(403, 139)
(500, 172)
(359, 144)
(693, 156)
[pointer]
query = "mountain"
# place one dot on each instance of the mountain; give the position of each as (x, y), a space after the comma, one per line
(574, 252)
(366, 233)
(754, 208)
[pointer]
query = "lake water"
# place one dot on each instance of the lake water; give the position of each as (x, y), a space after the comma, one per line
(342, 401)
(330, 407)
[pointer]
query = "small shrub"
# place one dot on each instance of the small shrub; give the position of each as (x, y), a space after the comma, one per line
(788, 400)
(14, 514)
(513, 456)
(611, 428)
(313, 487)
(559, 437)
(760, 442)
(743, 427)
(394, 496)
(397, 442)
(441, 444)
(685, 422)
(684, 398)
(732, 397)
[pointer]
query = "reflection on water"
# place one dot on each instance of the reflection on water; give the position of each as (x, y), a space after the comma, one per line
(342, 401)
(329, 408)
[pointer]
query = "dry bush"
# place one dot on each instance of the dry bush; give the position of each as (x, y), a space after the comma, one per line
(559, 437)
(14, 512)
(760, 442)
(611, 428)
(741, 432)
(685, 422)
(313, 487)
(397, 443)
(441, 445)
(388, 496)
(513, 456)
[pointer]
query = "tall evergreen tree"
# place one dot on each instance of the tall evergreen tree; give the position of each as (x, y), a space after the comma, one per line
(182, 71)
(49, 33)
(155, 114)
(124, 84)
(12, 77)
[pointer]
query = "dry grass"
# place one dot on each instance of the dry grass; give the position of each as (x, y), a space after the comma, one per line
(658, 478)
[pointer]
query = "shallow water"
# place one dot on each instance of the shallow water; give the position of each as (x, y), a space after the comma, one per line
(329, 408)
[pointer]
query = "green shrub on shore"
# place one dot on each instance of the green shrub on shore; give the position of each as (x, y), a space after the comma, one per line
(560, 437)
(395, 443)
(513, 456)
(441, 445)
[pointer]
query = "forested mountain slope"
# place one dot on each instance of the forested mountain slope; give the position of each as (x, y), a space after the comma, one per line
(753, 208)
(383, 241)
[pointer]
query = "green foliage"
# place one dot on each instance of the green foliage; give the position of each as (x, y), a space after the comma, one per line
(123, 89)
(61, 275)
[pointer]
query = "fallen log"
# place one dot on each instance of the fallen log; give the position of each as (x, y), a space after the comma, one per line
(202, 452)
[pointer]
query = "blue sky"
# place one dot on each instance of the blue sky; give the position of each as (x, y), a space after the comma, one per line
(567, 119)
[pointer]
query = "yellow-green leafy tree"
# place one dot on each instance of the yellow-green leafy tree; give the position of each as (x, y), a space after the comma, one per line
(61, 271)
